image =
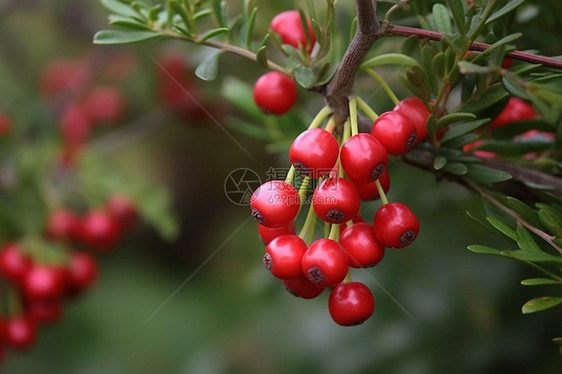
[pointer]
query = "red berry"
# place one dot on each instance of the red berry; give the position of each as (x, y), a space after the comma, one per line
(369, 191)
(105, 104)
(395, 225)
(62, 75)
(62, 224)
(336, 200)
(99, 230)
(288, 26)
(123, 209)
(314, 152)
(43, 311)
(351, 304)
(82, 272)
(275, 93)
(396, 132)
(283, 256)
(43, 282)
(355, 219)
(5, 125)
(416, 111)
(267, 234)
(19, 332)
(516, 109)
(363, 158)
(275, 203)
(325, 263)
(302, 287)
(361, 245)
(14, 264)
(75, 125)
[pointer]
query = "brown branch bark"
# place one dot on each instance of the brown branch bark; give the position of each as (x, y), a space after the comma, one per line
(338, 90)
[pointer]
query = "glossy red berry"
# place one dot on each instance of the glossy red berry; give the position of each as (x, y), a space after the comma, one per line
(325, 263)
(19, 332)
(355, 219)
(396, 132)
(123, 209)
(43, 311)
(369, 191)
(82, 272)
(275, 93)
(516, 109)
(288, 26)
(43, 282)
(395, 225)
(105, 105)
(361, 245)
(62, 224)
(336, 200)
(99, 230)
(302, 287)
(275, 203)
(417, 112)
(14, 264)
(363, 158)
(314, 152)
(283, 256)
(267, 234)
(351, 304)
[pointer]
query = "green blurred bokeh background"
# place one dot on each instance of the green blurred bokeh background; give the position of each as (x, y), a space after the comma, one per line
(204, 303)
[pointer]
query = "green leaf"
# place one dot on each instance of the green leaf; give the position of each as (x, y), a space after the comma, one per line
(450, 118)
(438, 65)
(212, 33)
(525, 211)
(457, 10)
(291, 51)
(389, 59)
(442, 19)
(219, 10)
(305, 76)
(466, 67)
(456, 168)
(207, 70)
(127, 23)
(117, 7)
(482, 249)
(461, 141)
(525, 241)
(540, 303)
(249, 28)
(484, 174)
(463, 128)
(104, 37)
(489, 98)
(497, 45)
(417, 81)
(509, 7)
(538, 282)
(427, 55)
(551, 219)
(514, 89)
(261, 56)
(502, 227)
(439, 162)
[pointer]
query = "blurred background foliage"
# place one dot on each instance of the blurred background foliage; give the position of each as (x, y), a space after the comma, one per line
(203, 303)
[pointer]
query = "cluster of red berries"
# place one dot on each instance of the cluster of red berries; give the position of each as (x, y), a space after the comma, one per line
(42, 274)
(343, 177)
(80, 105)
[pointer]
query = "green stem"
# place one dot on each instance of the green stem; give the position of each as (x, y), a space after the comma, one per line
(320, 117)
(353, 115)
(334, 232)
(365, 108)
(290, 175)
(307, 231)
(384, 85)
(384, 199)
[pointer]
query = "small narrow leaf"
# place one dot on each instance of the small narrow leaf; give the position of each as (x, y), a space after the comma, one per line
(212, 33)
(261, 56)
(550, 218)
(249, 28)
(510, 6)
(538, 282)
(442, 19)
(117, 7)
(439, 162)
(484, 174)
(104, 37)
(207, 70)
(525, 241)
(466, 67)
(456, 168)
(502, 227)
(305, 76)
(450, 118)
(525, 211)
(389, 59)
(457, 10)
(540, 303)
(461, 129)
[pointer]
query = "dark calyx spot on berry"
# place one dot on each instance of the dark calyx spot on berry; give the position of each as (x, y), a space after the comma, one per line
(412, 139)
(257, 216)
(265, 110)
(407, 237)
(335, 216)
(268, 261)
(356, 323)
(299, 167)
(292, 292)
(315, 275)
(377, 172)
